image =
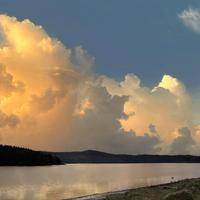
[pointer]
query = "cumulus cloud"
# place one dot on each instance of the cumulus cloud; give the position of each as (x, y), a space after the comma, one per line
(191, 19)
(51, 100)
(36, 75)
(167, 106)
(183, 142)
(100, 128)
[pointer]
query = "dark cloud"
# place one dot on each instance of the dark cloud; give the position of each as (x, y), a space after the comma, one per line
(183, 143)
(100, 127)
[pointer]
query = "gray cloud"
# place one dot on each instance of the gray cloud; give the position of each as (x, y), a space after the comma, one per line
(183, 143)
(100, 128)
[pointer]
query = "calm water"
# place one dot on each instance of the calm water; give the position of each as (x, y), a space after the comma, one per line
(59, 182)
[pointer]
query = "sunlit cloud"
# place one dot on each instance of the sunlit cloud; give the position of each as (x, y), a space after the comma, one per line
(51, 99)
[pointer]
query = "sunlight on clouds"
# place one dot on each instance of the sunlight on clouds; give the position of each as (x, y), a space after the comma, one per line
(50, 99)
(84, 105)
(167, 105)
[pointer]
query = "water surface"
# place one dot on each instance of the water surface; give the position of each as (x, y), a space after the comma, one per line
(59, 182)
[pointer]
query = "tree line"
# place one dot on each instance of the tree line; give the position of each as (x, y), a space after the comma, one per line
(20, 156)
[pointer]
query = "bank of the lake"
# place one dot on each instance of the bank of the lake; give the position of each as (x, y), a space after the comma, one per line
(187, 189)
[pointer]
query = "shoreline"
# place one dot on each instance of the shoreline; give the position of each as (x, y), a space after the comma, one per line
(186, 189)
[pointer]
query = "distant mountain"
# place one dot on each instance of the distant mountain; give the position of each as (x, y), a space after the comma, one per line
(92, 156)
(18, 156)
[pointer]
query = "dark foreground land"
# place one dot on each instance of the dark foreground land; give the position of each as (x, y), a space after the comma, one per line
(18, 156)
(188, 189)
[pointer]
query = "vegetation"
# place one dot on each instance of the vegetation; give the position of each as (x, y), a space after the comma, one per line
(18, 156)
(92, 156)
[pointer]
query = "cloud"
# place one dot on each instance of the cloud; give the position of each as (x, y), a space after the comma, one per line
(100, 128)
(36, 77)
(152, 128)
(167, 106)
(50, 99)
(8, 120)
(183, 142)
(7, 84)
(191, 19)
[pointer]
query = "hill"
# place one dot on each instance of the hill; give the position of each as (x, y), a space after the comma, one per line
(18, 156)
(92, 156)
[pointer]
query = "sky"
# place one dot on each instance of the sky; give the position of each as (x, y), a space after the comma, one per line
(146, 37)
(116, 76)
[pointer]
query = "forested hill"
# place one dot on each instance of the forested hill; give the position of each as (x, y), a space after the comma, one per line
(91, 156)
(18, 156)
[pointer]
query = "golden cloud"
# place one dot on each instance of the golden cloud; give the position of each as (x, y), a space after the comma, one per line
(50, 99)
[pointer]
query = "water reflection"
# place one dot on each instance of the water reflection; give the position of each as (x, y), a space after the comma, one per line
(59, 182)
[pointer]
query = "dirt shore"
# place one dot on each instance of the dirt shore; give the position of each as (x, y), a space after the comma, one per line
(188, 189)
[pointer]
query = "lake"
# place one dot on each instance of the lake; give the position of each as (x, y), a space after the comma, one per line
(66, 181)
